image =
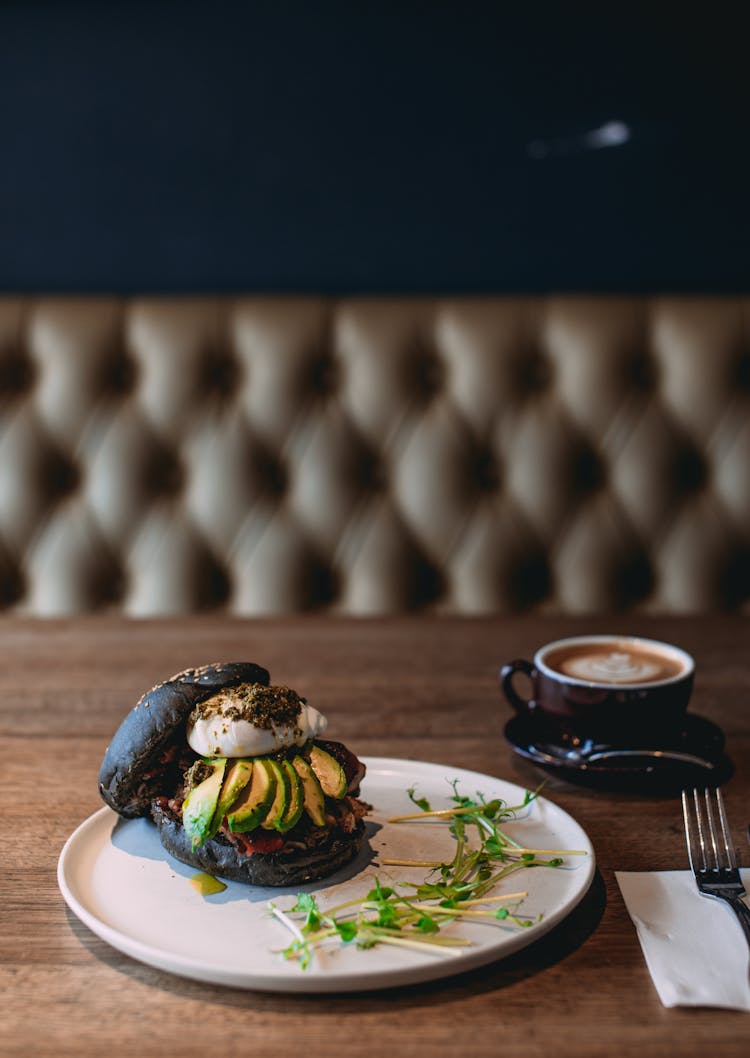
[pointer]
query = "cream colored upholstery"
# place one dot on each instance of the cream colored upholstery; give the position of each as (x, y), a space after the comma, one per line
(372, 456)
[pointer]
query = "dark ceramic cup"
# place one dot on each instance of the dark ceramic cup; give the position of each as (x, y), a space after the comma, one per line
(606, 687)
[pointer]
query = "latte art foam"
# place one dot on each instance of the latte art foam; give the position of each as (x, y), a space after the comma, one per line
(613, 668)
(613, 662)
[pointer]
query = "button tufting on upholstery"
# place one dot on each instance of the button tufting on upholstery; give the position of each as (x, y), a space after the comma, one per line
(12, 586)
(690, 471)
(634, 581)
(16, 375)
(587, 471)
(534, 373)
(734, 577)
(165, 475)
(429, 375)
(220, 375)
(643, 372)
(60, 476)
(372, 473)
(742, 371)
(121, 376)
(325, 586)
(113, 589)
(324, 376)
(372, 455)
(274, 475)
(530, 581)
(427, 584)
(487, 472)
(216, 587)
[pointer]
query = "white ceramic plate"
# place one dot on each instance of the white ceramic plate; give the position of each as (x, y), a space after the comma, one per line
(116, 877)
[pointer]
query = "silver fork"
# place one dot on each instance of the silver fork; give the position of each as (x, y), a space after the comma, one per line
(711, 852)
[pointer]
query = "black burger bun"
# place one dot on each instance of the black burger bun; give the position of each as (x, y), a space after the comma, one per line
(154, 724)
(290, 866)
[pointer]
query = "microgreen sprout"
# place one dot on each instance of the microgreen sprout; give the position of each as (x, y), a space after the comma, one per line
(420, 802)
(413, 915)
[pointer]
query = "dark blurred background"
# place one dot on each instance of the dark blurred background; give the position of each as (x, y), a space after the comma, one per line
(372, 147)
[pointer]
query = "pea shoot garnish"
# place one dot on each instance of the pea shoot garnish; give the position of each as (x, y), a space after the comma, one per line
(413, 915)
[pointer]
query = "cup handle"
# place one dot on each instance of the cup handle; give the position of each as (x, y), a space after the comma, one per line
(507, 672)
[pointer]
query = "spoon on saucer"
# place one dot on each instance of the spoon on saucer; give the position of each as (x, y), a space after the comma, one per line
(584, 759)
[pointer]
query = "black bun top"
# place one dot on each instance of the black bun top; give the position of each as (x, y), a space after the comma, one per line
(153, 724)
(220, 674)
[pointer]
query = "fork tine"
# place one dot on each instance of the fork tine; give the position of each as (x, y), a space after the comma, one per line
(726, 834)
(689, 835)
(688, 828)
(712, 828)
(711, 824)
(700, 827)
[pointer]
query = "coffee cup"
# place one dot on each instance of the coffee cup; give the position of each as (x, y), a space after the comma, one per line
(608, 687)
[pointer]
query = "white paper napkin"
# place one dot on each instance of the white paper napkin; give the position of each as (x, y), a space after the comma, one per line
(695, 949)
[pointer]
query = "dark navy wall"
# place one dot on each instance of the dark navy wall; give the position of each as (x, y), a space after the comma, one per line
(358, 146)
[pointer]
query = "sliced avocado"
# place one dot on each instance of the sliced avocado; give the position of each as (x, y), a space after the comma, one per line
(199, 807)
(312, 793)
(296, 799)
(330, 773)
(253, 803)
(236, 778)
(281, 797)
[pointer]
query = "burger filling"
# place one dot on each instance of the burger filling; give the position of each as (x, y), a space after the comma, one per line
(288, 795)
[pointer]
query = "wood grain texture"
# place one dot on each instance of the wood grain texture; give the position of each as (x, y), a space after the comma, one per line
(421, 689)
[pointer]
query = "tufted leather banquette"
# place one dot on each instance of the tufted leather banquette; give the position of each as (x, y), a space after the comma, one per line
(265, 455)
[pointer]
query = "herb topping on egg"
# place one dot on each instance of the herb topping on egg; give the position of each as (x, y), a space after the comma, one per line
(251, 720)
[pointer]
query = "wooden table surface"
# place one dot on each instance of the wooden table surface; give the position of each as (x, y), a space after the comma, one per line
(419, 688)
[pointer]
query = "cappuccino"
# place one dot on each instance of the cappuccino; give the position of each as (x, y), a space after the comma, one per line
(613, 661)
(612, 688)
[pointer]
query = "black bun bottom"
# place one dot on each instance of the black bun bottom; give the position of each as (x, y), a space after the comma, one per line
(294, 867)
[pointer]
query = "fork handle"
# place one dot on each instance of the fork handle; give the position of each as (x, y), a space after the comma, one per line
(742, 911)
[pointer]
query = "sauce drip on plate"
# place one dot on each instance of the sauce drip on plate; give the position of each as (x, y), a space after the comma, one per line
(206, 884)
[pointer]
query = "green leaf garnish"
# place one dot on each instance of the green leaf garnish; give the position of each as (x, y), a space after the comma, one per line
(464, 887)
(420, 802)
(347, 930)
(306, 904)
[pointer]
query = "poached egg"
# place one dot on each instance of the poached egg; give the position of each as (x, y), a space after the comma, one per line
(252, 720)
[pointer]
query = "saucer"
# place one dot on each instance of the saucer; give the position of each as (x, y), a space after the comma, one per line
(690, 755)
